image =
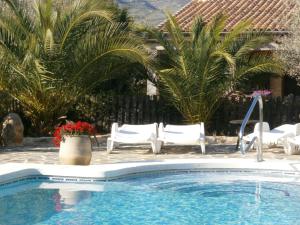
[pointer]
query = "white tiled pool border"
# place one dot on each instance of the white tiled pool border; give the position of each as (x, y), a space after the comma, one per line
(12, 172)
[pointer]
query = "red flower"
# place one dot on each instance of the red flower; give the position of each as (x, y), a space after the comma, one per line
(79, 128)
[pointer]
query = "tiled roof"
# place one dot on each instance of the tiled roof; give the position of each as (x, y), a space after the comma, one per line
(267, 15)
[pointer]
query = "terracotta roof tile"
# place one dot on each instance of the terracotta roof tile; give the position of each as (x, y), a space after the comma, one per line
(269, 15)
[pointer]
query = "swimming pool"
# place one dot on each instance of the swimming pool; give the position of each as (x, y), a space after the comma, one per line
(163, 198)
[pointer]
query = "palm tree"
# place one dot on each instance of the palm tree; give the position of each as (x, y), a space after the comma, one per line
(198, 70)
(50, 53)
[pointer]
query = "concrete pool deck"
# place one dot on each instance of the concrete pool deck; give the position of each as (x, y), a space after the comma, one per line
(41, 159)
(41, 151)
(130, 154)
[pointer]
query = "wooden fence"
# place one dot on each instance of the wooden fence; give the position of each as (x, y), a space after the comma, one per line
(142, 110)
(277, 111)
(103, 110)
(127, 109)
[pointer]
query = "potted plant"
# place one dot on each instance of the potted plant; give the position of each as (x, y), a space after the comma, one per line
(74, 142)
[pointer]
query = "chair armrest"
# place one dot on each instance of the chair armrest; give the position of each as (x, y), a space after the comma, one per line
(155, 130)
(297, 129)
(202, 131)
(266, 127)
(161, 131)
(114, 129)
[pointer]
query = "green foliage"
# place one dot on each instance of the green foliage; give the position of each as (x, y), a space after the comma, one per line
(197, 71)
(51, 53)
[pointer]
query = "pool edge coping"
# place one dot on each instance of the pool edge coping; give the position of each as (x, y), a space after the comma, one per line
(12, 172)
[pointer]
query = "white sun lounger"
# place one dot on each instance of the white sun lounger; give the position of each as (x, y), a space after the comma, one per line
(276, 136)
(182, 135)
(133, 134)
(293, 146)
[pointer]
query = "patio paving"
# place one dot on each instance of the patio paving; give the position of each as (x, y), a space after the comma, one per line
(43, 152)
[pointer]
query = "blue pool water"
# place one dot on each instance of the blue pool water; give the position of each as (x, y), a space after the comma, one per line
(176, 198)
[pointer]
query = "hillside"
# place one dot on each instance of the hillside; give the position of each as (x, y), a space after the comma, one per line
(151, 12)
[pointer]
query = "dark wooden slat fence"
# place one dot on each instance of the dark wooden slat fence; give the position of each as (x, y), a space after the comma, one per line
(143, 109)
(103, 111)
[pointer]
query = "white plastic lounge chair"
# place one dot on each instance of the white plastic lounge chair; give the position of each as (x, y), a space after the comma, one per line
(133, 134)
(293, 146)
(276, 136)
(182, 135)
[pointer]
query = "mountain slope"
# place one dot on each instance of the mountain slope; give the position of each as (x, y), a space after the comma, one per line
(151, 12)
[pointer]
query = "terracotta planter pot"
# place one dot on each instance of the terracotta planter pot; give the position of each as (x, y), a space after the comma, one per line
(75, 150)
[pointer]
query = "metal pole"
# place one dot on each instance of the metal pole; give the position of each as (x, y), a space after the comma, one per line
(259, 149)
(260, 139)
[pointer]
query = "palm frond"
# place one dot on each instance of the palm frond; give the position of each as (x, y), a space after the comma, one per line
(197, 28)
(198, 71)
(51, 55)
